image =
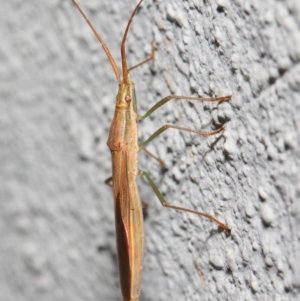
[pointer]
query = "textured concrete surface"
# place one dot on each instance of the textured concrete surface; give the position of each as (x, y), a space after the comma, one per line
(57, 95)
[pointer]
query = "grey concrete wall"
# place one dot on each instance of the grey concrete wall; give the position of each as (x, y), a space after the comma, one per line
(57, 94)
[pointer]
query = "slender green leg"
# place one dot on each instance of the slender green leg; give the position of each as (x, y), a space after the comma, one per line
(165, 204)
(171, 126)
(168, 126)
(172, 97)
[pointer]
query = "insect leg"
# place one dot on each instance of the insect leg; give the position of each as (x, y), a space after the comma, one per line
(189, 98)
(161, 162)
(167, 205)
(171, 126)
(150, 58)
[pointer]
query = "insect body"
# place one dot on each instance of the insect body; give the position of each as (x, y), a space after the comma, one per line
(124, 149)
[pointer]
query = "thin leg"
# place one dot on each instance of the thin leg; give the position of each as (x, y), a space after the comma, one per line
(108, 181)
(170, 97)
(161, 162)
(165, 204)
(171, 126)
(150, 58)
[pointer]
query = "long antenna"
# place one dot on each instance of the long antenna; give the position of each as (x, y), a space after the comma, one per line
(105, 48)
(123, 50)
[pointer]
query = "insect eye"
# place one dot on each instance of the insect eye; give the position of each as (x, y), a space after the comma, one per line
(128, 98)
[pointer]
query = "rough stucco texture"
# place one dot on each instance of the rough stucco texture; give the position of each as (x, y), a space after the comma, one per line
(57, 95)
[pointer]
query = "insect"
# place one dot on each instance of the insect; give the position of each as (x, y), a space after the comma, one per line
(124, 147)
